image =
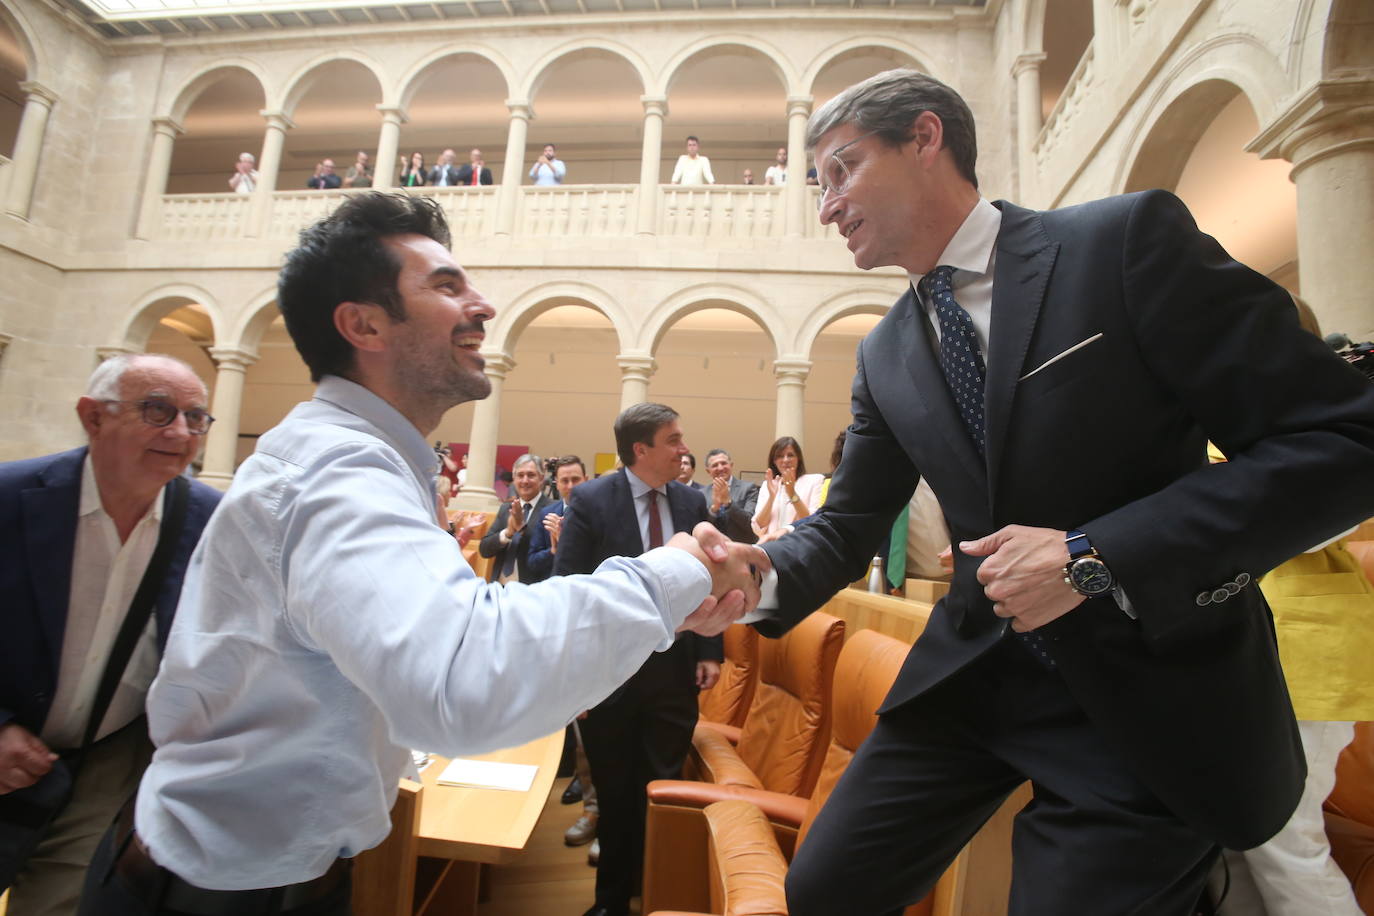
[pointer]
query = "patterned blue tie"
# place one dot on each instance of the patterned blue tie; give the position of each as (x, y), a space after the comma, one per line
(965, 374)
(960, 360)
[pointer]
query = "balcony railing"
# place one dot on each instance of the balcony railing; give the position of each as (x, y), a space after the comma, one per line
(725, 212)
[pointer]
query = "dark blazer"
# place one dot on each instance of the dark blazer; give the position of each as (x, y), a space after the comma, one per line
(601, 523)
(465, 175)
(39, 499)
(490, 545)
(1110, 439)
(735, 520)
(541, 556)
(453, 172)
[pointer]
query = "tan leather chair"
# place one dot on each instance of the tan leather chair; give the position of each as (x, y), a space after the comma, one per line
(746, 836)
(726, 704)
(783, 739)
(1350, 815)
(384, 876)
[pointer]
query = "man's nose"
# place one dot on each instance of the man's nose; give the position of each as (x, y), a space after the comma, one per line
(478, 308)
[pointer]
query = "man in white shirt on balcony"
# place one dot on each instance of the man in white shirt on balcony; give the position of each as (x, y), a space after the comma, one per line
(328, 623)
(245, 177)
(777, 173)
(548, 169)
(692, 167)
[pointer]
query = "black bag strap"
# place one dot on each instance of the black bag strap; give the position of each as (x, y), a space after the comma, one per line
(141, 608)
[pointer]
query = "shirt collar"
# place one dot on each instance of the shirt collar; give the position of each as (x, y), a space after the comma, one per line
(638, 487)
(387, 420)
(969, 252)
(90, 495)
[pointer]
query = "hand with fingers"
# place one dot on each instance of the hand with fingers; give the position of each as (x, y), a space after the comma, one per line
(24, 759)
(736, 576)
(1023, 574)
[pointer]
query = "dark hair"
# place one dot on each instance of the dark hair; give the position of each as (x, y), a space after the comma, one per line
(563, 462)
(691, 138)
(691, 459)
(342, 258)
(639, 423)
(837, 452)
(717, 451)
(888, 104)
(781, 444)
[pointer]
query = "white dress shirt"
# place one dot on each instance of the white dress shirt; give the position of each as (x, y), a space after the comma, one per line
(693, 171)
(327, 624)
(972, 252)
(105, 575)
(639, 492)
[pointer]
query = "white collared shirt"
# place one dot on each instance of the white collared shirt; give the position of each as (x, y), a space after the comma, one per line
(639, 491)
(327, 624)
(972, 252)
(105, 575)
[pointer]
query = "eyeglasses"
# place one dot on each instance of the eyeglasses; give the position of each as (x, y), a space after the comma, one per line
(161, 413)
(837, 182)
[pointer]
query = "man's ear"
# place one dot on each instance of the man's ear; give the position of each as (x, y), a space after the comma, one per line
(929, 133)
(363, 325)
(91, 413)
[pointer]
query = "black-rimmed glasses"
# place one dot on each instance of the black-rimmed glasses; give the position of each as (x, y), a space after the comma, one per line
(157, 412)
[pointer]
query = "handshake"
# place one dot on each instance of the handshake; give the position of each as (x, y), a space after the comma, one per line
(736, 570)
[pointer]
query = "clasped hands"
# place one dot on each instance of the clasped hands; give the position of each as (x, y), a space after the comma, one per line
(736, 577)
(1023, 574)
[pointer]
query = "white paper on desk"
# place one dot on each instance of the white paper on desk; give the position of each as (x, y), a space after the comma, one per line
(486, 774)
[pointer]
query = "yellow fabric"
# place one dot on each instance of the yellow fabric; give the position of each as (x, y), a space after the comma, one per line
(1324, 613)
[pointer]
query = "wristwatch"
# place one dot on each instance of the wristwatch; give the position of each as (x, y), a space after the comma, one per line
(1086, 573)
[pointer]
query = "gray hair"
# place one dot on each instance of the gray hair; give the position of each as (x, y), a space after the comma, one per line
(107, 381)
(889, 102)
(717, 451)
(529, 458)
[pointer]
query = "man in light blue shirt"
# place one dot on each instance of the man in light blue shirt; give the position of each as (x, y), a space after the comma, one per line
(548, 169)
(328, 623)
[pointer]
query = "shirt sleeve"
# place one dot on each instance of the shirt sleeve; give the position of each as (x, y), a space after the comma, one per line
(456, 664)
(706, 170)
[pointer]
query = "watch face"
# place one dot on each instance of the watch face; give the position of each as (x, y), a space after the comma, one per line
(1090, 576)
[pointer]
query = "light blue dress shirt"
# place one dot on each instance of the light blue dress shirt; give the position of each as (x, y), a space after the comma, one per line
(327, 624)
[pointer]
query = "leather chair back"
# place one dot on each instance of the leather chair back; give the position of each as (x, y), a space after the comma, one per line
(866, 671)
(728, 701)
(785, 734)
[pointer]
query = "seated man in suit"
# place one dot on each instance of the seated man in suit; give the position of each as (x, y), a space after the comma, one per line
(642, 732)
(508, 538)
(731, 501)
(79, 529)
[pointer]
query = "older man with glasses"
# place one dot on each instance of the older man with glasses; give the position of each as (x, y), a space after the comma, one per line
(83, 535)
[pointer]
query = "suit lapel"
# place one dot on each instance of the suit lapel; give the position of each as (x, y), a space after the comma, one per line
(1025, 260)
(50, 517)
(630, 541)
(679, 496)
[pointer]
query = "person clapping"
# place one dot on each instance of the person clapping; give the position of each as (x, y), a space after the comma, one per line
(789, 492)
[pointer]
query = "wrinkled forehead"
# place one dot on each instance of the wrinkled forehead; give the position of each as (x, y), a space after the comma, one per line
(158, 379)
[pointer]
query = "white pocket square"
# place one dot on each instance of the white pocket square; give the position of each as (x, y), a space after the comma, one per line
(1054, 359)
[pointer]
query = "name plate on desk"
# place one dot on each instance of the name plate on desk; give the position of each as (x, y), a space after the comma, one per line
(486, 774)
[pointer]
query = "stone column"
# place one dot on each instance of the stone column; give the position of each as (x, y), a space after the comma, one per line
(655, 110)
(165, 132)
(221, 445)
(508, 200)
(385, 169)
(794, 192)
(791, 374)
(635, 372)
(1029, 118)
(1328, 135)
(28, 146)
(269, 164)
(482, 442)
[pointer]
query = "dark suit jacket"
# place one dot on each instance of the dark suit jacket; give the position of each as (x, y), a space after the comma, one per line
(541, 556)
(465, 175)
(735, 520)
(490, 545)
(1110, 439)
(601, 523)
(453, 172)
(39, 499)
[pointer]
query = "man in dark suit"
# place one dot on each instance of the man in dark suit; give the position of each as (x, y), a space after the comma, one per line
(477, 167)
(1055, 376)
(445, 172)
(731, 501)
(569, 472)
(78, 530)
(508, 539)
(642, 732)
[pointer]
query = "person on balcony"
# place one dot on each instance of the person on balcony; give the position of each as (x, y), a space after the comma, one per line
(476, 171)
(359, 174)
(245, 177)
(692, 167)
(413, 172)
(324, 178)
(548, 169)
(748, 177)
(777, 173)
(445, 174)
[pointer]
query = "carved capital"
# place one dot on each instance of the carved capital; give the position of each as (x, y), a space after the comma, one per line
(1331, 117)
(520, 108)
(1026, 62)
(277, 120)
(233, 359)
(35, 91)
(791, 371)
(498, 364)
(636, 366)
(393, 114)
(654, 105)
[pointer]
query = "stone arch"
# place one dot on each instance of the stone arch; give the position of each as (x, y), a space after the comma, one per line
(410, 82)
(192, 88)
(154, 305)
(540, 69)
(782, 67)
(1184, 101)
(1033, 27)
(512, 320)
(246, 333)
(849, 46)
(710, 295)
(34, 54)
(871, 300)
(303, 79)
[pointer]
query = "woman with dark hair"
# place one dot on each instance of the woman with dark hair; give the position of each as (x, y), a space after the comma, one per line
(791, 492)
(413, 173)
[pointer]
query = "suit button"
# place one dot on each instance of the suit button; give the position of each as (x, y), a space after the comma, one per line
(1220, 595)
(1203, 599)
(1232, 588)
(1243, 580)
